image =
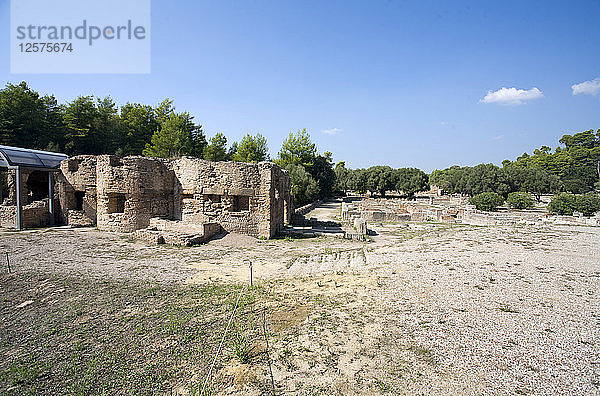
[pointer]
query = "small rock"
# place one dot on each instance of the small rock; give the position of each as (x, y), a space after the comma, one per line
(24, 304)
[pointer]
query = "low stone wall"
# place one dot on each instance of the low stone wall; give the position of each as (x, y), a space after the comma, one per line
(78, 218)
(302, 210)
(8, 217)
(578, 220)
(34, 215)
(162, 231)
(476, 217)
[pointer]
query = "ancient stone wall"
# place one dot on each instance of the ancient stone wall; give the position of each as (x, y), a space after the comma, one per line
(282, 206)
(132, 190)
(76, 190)
(124, 194)
(35, 204)
(33, 215)
(244, 198)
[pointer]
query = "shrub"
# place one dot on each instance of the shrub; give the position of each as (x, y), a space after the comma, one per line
(563, 204)
(487, 201)
(567, 203)
(588, 203)
(520, 200)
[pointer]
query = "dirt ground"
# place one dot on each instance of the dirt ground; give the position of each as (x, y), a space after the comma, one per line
(420, 309)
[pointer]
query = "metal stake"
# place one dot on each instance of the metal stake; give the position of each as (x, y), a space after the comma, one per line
(7, 262)
(250, 273)
(19, 188)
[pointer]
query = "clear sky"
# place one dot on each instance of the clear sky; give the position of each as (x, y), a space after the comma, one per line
(402, 83)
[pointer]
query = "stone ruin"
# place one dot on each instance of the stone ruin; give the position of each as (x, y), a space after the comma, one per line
(181, 201)
(449, 209)
(36, 206)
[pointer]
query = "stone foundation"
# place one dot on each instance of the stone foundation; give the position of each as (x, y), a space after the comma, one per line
(171, 232)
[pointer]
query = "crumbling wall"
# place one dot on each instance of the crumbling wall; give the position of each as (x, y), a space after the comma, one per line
(244, 198)
(75, 186)
(123, 194)
(8, 216)
(132, 190)
(35, 204)
(282, 206)
(33, 215)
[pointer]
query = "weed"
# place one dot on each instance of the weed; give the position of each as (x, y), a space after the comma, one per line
(240, 345)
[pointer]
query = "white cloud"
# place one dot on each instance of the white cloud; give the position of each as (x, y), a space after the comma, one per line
(591, 87)
(512, 96)
(332, 131)
(498, 137)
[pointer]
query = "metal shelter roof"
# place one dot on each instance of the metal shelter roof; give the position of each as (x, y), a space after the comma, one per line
(11, 157)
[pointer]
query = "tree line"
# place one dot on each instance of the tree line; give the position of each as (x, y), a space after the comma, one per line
(90, 125)
(572, 168)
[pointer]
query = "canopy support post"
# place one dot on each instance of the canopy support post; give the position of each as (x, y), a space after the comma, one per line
(51, 198)
(19, 198)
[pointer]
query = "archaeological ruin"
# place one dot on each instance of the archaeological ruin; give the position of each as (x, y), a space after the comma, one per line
(180, 201)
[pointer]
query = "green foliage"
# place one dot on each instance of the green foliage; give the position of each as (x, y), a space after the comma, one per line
(487, 201)
(563, 203)
(411, 180)
(297, 149)
(588, 203)
(217, 148)
(89, 125)
(380, 179)
(567, 203)
(520, 200)
(177, 136)
(139, 124)
(358, 180)
(471, 180)
(251, 149)
(28, 119)
(575, 164)
(241, 345)
(321, 169)
(311, 174)
(305, 188)
(534, 180)
(342, 177)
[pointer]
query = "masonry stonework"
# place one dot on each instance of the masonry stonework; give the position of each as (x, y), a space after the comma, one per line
(198, 197)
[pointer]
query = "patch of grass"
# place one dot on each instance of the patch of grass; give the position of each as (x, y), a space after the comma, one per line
(423, 353)
(114, 337)
(24, 373)
(383, 386)
(240, 344)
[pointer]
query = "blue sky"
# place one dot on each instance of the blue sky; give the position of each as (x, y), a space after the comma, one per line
(401, 83)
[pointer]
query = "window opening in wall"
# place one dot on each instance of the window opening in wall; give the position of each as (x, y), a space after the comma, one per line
(240, 203)
(213, 198)
(37, 186)
(116, 203)
(79, 195)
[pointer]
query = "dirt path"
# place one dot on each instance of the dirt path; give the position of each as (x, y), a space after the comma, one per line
(327, 211)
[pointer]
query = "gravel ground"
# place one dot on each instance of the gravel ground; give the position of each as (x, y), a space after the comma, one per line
(425, 308)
